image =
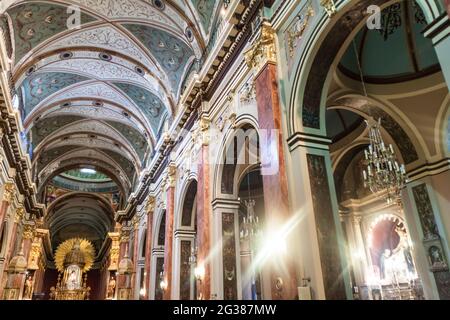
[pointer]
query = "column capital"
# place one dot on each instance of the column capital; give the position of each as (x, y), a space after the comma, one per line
(125, 234)
(9, 191)
(20, 213)
(171, 175)
(264, 49)
(28, 230)
(150, 206)
(135, 222)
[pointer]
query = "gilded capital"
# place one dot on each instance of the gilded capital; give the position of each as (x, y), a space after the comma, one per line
(9, 191)
(28, 231)
(135, 222)
(125, 235)
(20, 212)
(171, 175)
(150, 207)
(264, 49)
(203, 127)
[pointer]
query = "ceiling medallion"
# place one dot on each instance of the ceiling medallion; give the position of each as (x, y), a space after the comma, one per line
(66, 104)
(126, 114)
(159, 4)
(104, 56)
(66, 55)
(31, 70)
(139, 70)
(189, 34)
(28, 14)
(97, 104)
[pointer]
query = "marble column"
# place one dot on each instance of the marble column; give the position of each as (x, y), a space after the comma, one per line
(150, 209)
(17, 219)
(168, 244)
(8, 195)
(135, 280)
(262, 58)
(204, 212)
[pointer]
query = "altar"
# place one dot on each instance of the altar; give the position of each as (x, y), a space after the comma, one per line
(73, 259)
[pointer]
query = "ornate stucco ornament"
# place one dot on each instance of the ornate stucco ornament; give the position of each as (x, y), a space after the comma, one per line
(29, 230)
(202, 132)
(171, 175)
(9, 192)
(298, 28)
(150, 206)
(263, 50)
(20, 213)
(329, 7)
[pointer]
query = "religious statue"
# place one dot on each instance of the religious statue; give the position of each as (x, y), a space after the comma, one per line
(28, 291)
(72, 280)
(111, 288)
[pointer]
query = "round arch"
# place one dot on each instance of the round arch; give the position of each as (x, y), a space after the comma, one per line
(324, 47)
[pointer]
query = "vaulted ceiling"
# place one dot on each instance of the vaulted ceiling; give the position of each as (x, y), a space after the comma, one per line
(102, 91)
(97, 82)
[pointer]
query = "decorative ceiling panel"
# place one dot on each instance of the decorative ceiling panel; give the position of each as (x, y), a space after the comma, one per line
(40, 86)
(88, 109)
(136, 138)
(104, 37)
(95, 90)
(149, 104)
(36, 22)
(50, 155)
(205, 11)
(124, 163)
(44, 127)
(81, 140)
(172, 54)
(93, 127)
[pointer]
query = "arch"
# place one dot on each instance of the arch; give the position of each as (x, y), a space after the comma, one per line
(188, 205)
(325, 46)
(225, 177)
(394, 124)
(160, 235)
(4, 238)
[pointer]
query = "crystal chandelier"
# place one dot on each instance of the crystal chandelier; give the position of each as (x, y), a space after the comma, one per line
(383, 171)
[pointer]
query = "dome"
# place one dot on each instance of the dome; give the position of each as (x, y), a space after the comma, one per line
(18, 263)
(396, 52)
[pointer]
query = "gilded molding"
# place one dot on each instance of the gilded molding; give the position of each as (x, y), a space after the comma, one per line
(9, 192)
(329, 7)
(125, 235)
(28, 231)
(150, 206)
(20, 213)
(171, 175)
(264, 49)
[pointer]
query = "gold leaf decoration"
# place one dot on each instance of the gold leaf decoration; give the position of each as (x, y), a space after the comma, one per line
(86, 248)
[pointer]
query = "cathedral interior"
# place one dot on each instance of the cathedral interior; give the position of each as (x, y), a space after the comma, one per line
(224, 150)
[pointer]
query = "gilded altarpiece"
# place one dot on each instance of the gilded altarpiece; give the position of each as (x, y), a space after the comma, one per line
(326, 229)
(229, 257)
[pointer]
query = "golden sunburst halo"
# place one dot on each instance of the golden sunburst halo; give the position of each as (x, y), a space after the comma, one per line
(64, 248)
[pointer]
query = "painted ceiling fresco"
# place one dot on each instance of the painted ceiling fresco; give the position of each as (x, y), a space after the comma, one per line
(34, 23)
(98, 95)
